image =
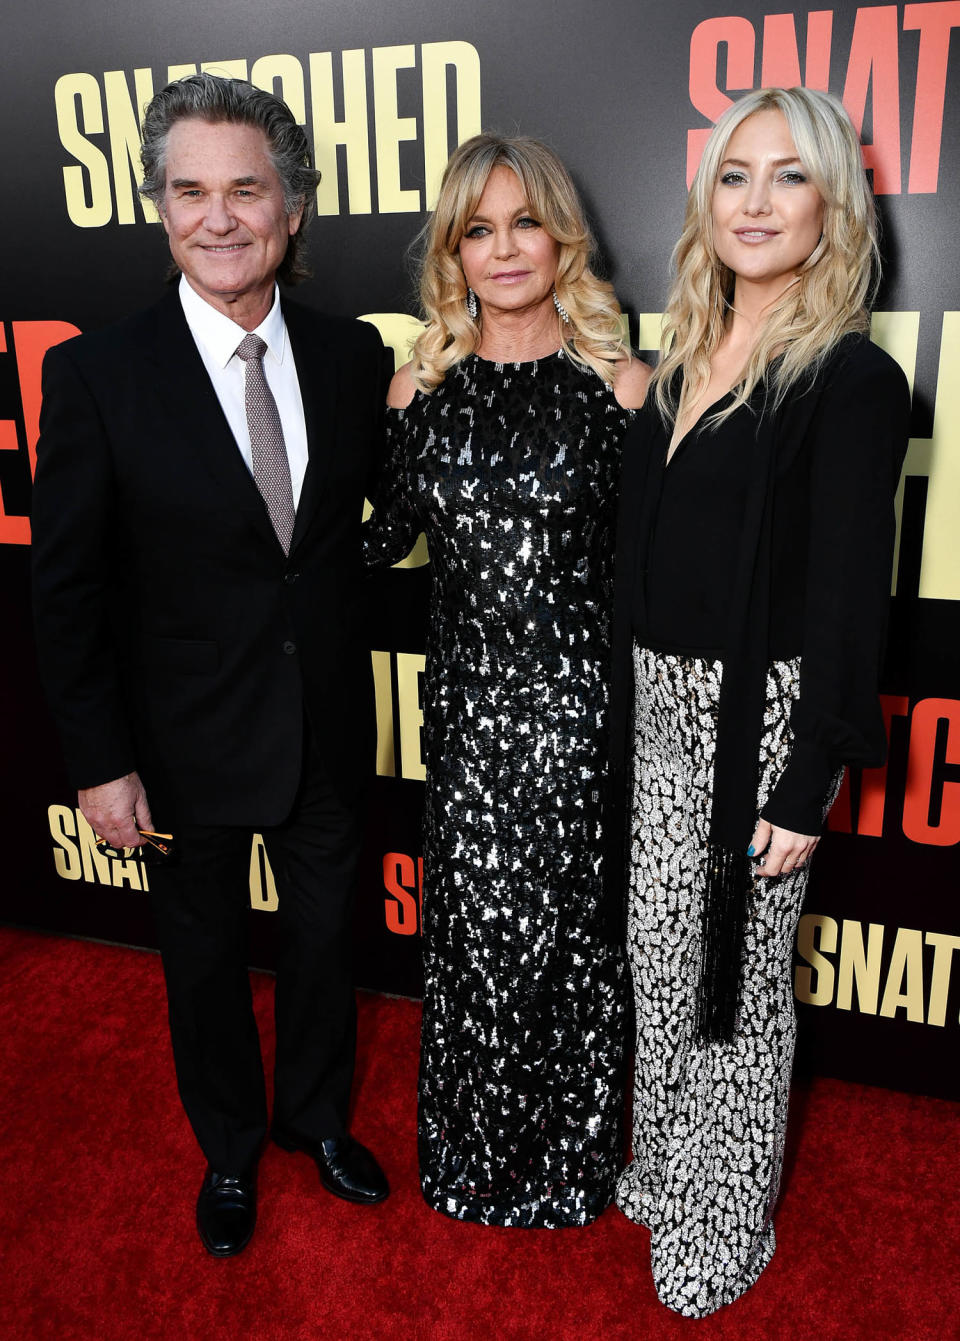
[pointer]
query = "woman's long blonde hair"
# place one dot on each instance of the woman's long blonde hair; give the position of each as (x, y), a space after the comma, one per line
(837, 281)
(594, 335)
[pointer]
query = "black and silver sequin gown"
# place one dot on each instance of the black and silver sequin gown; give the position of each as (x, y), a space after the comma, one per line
(511, 471)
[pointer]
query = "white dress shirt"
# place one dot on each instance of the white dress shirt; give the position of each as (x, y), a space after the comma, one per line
(217, 338)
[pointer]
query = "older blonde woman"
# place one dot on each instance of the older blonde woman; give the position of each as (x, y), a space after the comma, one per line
(506, 429)
(753, 571)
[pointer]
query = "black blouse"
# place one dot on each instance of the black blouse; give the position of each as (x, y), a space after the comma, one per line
(796, 505)
(683, 584)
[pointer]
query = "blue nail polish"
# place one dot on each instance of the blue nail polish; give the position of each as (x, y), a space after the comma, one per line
(751, 851)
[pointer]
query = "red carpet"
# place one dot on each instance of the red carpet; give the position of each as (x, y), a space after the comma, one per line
(100, 1175)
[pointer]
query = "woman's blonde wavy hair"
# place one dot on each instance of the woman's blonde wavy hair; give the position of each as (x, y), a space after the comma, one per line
(837, 281)
(594, 336)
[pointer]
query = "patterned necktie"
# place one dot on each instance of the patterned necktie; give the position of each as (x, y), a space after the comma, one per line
(271, 469)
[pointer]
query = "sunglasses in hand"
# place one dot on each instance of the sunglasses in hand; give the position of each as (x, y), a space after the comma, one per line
(153, 847)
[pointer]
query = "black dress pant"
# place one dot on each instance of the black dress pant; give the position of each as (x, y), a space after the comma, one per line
(201, 907)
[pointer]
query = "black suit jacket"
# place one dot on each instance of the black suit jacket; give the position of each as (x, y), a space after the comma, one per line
(174, 635)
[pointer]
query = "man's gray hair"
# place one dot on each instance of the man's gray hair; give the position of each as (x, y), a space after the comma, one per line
(209, 97)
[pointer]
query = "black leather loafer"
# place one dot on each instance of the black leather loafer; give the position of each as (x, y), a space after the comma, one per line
(226, 1212)
(346, 1168)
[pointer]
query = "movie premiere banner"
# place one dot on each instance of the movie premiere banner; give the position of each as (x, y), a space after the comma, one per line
(626, 92)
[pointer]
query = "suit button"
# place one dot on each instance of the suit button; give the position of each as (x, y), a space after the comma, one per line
(289, 648)
(290, 577)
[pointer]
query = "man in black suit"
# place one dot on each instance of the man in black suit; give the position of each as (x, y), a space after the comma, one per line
(200, 478)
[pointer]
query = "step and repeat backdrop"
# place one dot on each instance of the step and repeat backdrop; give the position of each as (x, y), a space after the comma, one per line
(626, 91)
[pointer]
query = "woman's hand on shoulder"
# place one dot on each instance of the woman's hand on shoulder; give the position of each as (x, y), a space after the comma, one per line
(630, 382)
(780, 851)
(402, 388)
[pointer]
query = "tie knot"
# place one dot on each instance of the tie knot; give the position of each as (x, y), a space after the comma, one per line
(251, 347)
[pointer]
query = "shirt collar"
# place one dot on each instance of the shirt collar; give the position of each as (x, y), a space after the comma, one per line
(220, 336)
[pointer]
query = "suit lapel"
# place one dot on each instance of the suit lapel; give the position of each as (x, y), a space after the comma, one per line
(198, 414)
(315, 361)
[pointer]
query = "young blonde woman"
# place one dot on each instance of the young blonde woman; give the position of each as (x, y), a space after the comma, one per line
(753, 571)
(505, 429)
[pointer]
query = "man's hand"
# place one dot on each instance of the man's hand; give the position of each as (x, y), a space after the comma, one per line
(783, 850)
(116, 810)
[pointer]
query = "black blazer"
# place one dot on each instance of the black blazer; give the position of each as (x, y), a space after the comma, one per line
(174, 635)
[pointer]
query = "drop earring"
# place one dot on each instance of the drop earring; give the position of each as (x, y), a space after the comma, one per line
(562, 312)
(473, 307)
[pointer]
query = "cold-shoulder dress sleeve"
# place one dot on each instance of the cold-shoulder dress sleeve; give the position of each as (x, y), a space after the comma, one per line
(858, 440)
(390, 532)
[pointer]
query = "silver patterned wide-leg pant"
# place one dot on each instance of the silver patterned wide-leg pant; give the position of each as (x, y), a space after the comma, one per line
(709, 1120)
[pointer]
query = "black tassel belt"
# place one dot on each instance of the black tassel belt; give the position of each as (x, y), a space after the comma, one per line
(729, 882)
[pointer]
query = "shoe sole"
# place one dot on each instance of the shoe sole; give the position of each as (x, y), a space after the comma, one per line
(225, 1252)
(337, 1191)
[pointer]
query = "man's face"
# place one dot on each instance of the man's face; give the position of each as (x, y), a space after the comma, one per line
(224, 215)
